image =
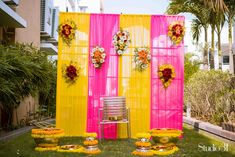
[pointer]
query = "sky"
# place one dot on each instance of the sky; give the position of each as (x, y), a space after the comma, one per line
(144, 7)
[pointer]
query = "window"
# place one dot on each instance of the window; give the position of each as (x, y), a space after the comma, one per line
(225, 60)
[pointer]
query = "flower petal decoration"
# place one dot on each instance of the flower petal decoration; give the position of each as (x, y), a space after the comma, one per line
(67, 31)
(71, 72)
(142, 58)
(98, 56)
(176, 32)
(121, 41)
(166, 74)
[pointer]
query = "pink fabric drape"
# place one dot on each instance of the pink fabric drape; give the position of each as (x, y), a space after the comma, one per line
(103, 81)
(166, 104)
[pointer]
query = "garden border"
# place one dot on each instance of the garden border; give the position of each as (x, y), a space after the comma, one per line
(210, 129)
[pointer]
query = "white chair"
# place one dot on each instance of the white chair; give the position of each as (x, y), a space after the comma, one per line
(114, 111)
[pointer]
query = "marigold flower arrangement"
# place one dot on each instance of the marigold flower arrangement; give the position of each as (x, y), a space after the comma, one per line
(91, 144)
(142, 58)
(67, 31)
(166, 74)
(47, 133)
(98, 56)
(143, 145)
(176, 32)
(121, 41)
(71, 72)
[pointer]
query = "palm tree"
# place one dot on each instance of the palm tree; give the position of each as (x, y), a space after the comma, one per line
(217, 5)
(225, 7)
(230, 13)
(198, 9)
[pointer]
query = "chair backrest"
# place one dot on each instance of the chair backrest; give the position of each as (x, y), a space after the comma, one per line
(114, 108)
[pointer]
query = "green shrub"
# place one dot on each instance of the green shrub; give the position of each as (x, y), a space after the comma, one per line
(24, 71)
(212, 96)
(190, 66)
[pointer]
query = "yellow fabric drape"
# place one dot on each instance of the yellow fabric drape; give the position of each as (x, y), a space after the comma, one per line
(71, 107)
(135, 85)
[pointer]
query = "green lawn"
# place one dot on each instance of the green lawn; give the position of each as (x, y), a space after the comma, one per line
(23, 146)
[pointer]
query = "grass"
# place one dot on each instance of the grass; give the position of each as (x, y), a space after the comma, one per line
(23, 146)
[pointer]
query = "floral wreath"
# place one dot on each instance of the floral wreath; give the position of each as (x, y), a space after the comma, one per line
(176, 32)
(71, 72)
(121, 41)
(142, 58)
(67, 31)
(98, 56)
(166, 74)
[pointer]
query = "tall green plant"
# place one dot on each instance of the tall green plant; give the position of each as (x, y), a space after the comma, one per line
(24, 71)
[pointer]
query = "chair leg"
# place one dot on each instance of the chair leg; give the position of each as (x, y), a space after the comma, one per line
(102, 130)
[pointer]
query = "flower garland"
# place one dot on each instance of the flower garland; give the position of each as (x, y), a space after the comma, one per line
(42, 149)
(142, 144)
(166, 74)
(71, 72)
(143, 135)
(142, 58)
(47, 132)
(93, 134)
(67, 31)
(121, 41)
(98, 56)
(165, 133)
(173, 150)
(176, 32)
(90, 143)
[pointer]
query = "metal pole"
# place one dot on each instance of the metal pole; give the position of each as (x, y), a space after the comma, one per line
(101, 6)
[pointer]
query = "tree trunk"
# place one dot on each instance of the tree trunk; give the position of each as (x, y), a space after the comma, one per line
(205, 55)
(219, 48)
(212, 63)
(231, 65)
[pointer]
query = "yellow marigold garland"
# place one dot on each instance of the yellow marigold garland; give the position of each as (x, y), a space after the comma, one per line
(166, 132)
(166, 74)
(93, 134)
(173, 150)
(176, 32)
(42, 149)
(90, 143)
(142, 144)
(143, 135)
(47, 132)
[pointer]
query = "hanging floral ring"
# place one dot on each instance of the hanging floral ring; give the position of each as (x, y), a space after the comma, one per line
(98, 56)
(121, 41)
(71, 72)
(176, 32)
(142, 58)
(166, 74)
(67, 31)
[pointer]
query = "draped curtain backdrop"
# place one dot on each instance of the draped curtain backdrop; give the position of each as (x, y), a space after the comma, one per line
(151, 106)
(103, 81)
